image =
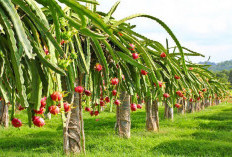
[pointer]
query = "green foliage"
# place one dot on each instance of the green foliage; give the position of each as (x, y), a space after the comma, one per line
(206, 133)
(223, 75)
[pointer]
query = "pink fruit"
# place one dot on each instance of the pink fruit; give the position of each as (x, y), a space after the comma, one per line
(91, 113)
(56, 96)
(62, 42)
(43, 102)
(163, 55)
(177, 77)
(177, 105)
(132, 47)
(38, 121)
(96, 113)
(139, 106)
(191, 99)
(119, 33)
(190, 68)
(179, 93)
(79, 89)
(117, 102)
(114, 92)
(143, 72)
(204, 90)
(107, 99)
(160, 84)
(54, 109)
(98, 67)
(87, 92)
(114, 81)
(46, 51)
(40, 111)
(166, 95)
(67, 107)
(87, 109)
(102, 103)
(133, 107)
(16, 122)
(20, 108)
(135, 55)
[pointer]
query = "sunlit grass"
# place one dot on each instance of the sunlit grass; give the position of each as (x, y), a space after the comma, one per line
(206, 133)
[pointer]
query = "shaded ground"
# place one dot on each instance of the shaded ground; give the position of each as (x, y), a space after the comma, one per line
(206, 133)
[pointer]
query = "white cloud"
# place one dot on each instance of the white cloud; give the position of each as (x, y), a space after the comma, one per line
(216, 52)
(201, 25)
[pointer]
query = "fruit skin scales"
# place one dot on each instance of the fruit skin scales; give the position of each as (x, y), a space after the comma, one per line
(20, 108)
(132, 47)
(16, 122)
(56, 96)
(117, 102)
(107, 99)
(87, 92)
(139, 106)
(114, 92)
(40, 111)
(135, 55)
(38, 121)
(143, 72)
(160, 84)
(166, 95)
(79, 89)
(54, 110)
(114, 81)
(67, 107)
(163, 55)
(179, 93)
(177, 105)
(98, 67)
(43, 101)
(177, 77)
(87, 109)
(133, 107)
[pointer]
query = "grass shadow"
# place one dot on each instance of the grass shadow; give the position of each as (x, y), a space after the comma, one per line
(36, 144)
(193, 148)
(213, 136)
(222, 116)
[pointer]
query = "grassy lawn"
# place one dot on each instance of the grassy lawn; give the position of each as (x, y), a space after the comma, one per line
(205, 133)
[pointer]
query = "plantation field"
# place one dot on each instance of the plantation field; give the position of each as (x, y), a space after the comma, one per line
(206, 133)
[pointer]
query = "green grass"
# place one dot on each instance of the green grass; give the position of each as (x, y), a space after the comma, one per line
(206, 133)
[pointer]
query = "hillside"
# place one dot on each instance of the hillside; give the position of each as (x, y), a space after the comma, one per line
(226, 65)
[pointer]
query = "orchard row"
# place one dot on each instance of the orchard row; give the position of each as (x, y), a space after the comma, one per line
(56, 60)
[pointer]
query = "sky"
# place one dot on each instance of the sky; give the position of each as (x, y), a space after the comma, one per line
(204, 26)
